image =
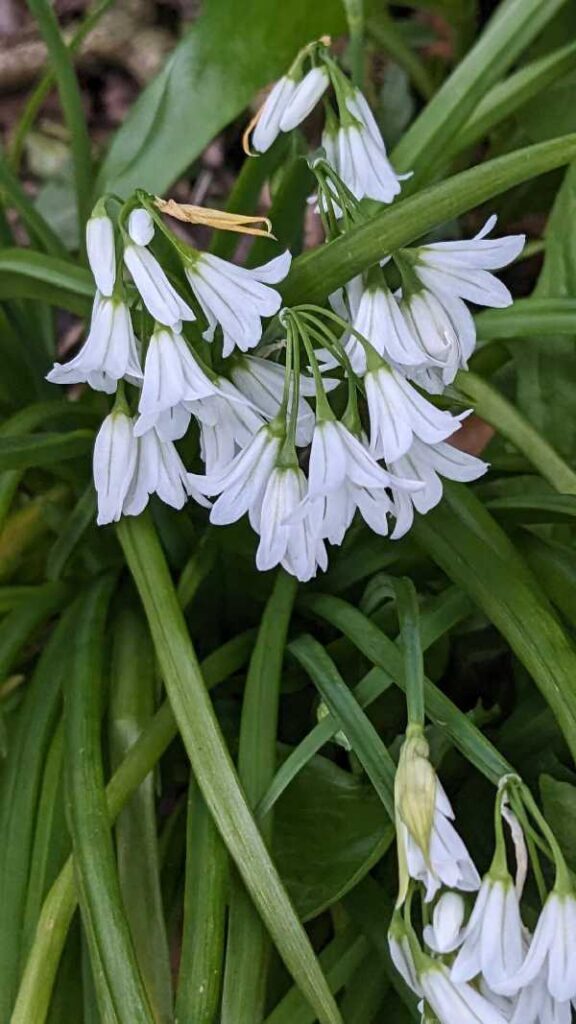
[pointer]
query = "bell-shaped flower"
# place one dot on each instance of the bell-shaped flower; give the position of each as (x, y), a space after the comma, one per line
(140, 226)
(114, 462)
(236, 298)
(401, 953)
(228, 423)
(551, 951)
(267, 127)
(172, 377)
(428, 463)
(445, 332)
(361, 159)
(493, 940)
(304, 98)
(101, 252)
(535, 1005)
(455, 1004)
(292, 543)
(398, 414)
(445, 934)
(109, 353)
(242, 482)
(463, 268)
(380, 320)
(159, 470)
(447, 861)
(262, 382)
(158, 295)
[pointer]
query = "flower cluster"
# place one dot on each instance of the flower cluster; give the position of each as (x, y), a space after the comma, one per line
(480, 963)
(261, 402)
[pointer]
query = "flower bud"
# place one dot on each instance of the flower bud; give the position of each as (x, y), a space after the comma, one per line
(141, 226)
(415, 789)
(101, 251)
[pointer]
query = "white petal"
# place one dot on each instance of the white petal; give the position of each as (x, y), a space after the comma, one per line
(101, 252)
(268, 125)
(141, 226)
(304, 98)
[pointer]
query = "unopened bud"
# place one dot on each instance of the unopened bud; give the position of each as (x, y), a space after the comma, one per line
(415, 789)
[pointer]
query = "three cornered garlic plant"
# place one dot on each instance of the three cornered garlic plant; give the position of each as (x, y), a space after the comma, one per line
(354, 391)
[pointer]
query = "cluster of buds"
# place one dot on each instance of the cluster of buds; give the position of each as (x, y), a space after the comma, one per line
(178, 336)
(478, 961)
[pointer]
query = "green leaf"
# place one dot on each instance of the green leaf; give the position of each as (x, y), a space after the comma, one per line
(211, 764)
(39, 230)
(34, 275)
(132, 698)
(547, 366)
(248, 945)
(331, 828)
(317, 273)
(527, 317)
(117, 978)
(73, 528)
(207, 81)
(559, 803)
(43, 449)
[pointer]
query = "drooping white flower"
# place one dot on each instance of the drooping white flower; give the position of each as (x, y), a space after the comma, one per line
(140, 226)
(493, 941)
(401, 954)
(445, 934)
(361, 159)
(114, 462)
(429, 463)
(444, 331)
(398, 413)
(448, 862)
(242, 482)
(304, 98)
(380, 320)
(235, 297)
(228, 423)
(284, 541)
(463, 268)
(109, 353)
(158, 295)
(455, 1004)
(535, 1005)
(172, 377)
(159, 470)
(268, 124)
(262, 382)
(101, 252)
(552, 948)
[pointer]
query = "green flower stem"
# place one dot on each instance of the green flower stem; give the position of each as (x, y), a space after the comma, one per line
(355, 17)
(71, 101)
(317, 273)
(212, 765)
(248, 945)
(505, 418)
(37, 983)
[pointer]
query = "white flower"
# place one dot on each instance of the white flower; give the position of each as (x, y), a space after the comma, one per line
(262, 382)
(227, 423)
(428, 463)
(114, 462)
(380, 320)
(361, 159)
(268, 125)
(292, 544)
(448, 862)
(462, 268)
(445, 933)
(241, 483)
(443, 329)
(401, 955)
(304, 98)
(493, 940)
(109, 353)
(456, 1004)
(140, 226)
(172, 376)
(398, 413)
(160, 297)
(235, 297)
(159, 470)
(552, 949)
(535, 1005)
(101, 252)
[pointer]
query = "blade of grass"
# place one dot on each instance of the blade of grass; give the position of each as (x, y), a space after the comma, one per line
(38, 229)
(365, 992)
(71, 101)
(117, 977)
(132, 698)
(212, 765)
(248, 946)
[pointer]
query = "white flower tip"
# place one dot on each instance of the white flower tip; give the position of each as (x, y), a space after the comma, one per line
(141, 226)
